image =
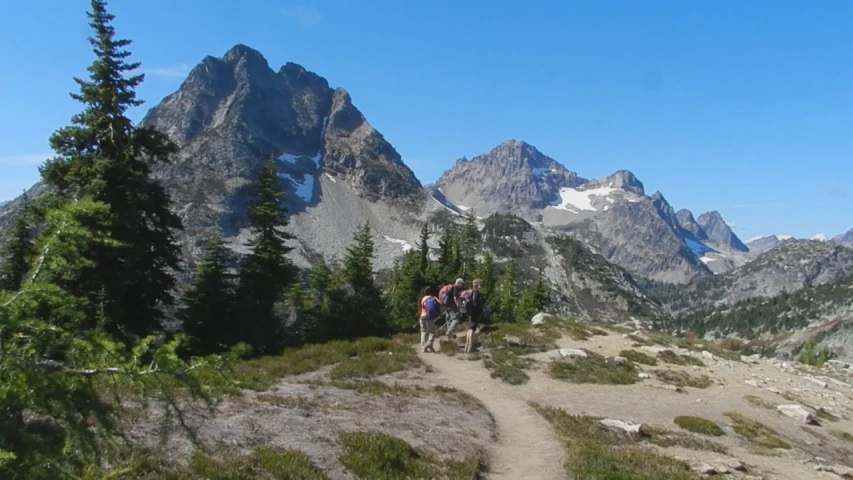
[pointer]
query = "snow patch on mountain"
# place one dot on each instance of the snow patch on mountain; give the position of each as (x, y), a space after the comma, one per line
(820, 236)
(406, 245)
(575, 200)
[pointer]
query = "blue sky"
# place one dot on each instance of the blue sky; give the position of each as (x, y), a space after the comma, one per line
(743, 107)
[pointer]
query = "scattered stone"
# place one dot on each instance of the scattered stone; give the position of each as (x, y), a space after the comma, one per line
(643, 375)
(673, 388)
(540, 318)
(737, 465)
(818, 382)
(751, 382)
(843, 472)
(838, 363)
(571, 353)
(774, 390)
(708, 469)
(750, 358)
(708, 355)
(655, 349)
(626, 427)
(797, 412)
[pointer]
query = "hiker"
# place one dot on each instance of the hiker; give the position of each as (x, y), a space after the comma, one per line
(472, 304)
(430, 311)
(449, 298)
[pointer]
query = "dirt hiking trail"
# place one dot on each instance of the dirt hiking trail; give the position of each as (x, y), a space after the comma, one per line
(527, 446)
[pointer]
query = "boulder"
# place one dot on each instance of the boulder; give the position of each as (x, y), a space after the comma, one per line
(750, 358)
(797, 412)
(541, 317)
(626, 427)
(620, 360)
(568, 353)
(643, 375)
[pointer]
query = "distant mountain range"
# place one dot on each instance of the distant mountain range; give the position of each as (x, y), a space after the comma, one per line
(608, 248)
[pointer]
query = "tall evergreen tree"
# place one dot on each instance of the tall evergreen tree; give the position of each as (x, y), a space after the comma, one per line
(408, 283)
(507, 294)
(209, 307)
(423, 248)
(18, 249)
(104, 155)
(266, 273)
(486, 272)
(469, 244)
(366, 314)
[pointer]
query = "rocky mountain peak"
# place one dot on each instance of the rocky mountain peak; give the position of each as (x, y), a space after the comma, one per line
(514, 177)
(624, 180)
(845, 237)
(664, 209)
(688, 224)
(719, 232)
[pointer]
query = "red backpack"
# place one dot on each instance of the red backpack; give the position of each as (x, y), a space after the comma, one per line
(444, 295)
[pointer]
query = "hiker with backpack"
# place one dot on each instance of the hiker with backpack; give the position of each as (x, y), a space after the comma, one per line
(449, 298)
(472, 304)
(430, 309)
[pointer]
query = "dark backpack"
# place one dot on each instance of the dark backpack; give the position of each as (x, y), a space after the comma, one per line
(465, 299)
(445, 295)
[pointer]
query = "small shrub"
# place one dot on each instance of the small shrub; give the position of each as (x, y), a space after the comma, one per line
(699, 425)
(265, 463)
(673, 358)
(842, 435)
(594, 452)
(638, 357)
(810, 355)
(756, 432)
(594, 369)
(374, 363)
(759, 402)
(449, 348)
(508, 367)
(683, 379)
(374, 455)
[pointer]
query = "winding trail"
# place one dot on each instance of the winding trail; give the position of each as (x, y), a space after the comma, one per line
(527, 447)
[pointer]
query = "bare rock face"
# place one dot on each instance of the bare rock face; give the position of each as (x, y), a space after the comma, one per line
(718, 231)
(514, 177)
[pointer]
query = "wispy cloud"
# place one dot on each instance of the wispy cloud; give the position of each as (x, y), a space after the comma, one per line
(171, 71)
(305, 16)
(24, 160)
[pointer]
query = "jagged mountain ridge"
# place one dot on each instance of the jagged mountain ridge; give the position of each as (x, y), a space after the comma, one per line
(787, 268)
(659, 243)
(233, 113)
(846, 237)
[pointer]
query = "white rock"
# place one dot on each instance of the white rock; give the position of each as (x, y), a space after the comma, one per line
(750, 358)
(708, 355)
(818, 382)
(622, 425)
(620, 360)
(797, 412)
(654, 349)
(751, 382)
(541, 317)
(643, 375)
(571, 353)
(708, 469)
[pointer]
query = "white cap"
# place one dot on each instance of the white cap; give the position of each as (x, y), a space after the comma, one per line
(459, 281)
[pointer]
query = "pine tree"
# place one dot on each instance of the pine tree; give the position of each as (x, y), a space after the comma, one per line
(209, 307)
(533, 301)
(508, 300)
(487, 274)
(408, 283)
(423, 248)
(366, 315)
(266, 273)
(469, 244)
(104, 155)
(18, 249)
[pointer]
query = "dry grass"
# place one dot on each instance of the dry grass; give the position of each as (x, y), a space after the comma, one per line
(756, 432)
(594, 369)
(378, 456)
(508, 367)
(668, 356)
(760, 402)
(594, 452)
(842, 435)
(638, 357)
(699, 425)
(683, 379)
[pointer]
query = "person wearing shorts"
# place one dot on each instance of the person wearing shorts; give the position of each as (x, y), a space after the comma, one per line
(475, 315)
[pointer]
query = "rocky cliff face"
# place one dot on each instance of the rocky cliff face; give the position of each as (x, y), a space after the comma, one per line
(613, 214)
(845, 237)
(718, 231)
(514, 177)
(234, 113)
